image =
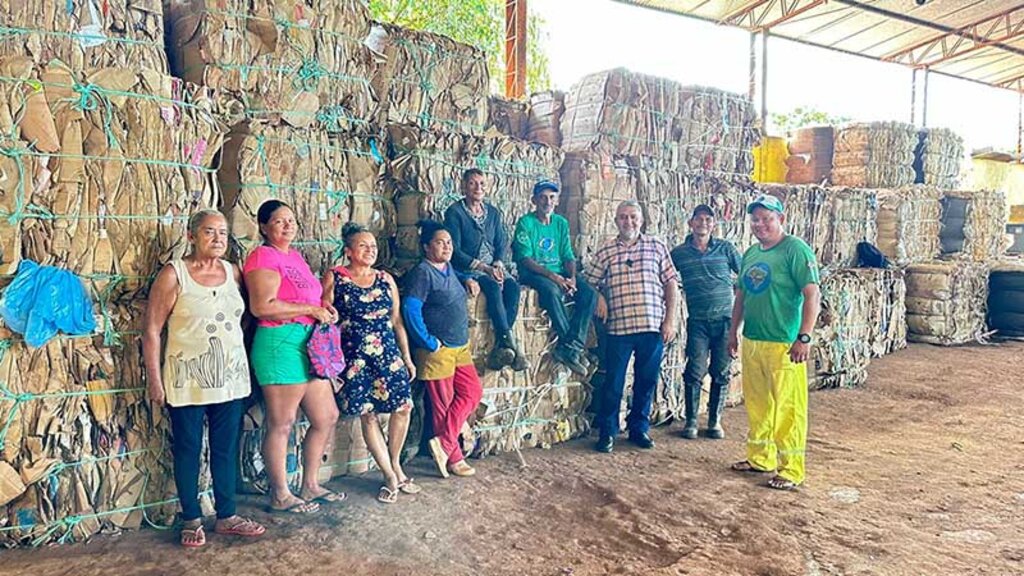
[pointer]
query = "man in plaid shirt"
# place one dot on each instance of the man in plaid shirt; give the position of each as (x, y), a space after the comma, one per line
(638, 290)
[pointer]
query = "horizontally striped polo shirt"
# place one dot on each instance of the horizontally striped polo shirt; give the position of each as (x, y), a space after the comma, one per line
(708, 277)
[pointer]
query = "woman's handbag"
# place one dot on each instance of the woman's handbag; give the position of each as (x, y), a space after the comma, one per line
(326, 358)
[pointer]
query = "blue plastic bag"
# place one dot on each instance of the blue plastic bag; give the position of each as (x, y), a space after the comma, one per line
(43, 300)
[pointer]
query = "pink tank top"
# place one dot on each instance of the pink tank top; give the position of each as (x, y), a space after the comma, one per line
(298, 284)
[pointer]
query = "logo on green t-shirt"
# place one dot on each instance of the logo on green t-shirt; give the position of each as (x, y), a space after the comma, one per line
(758, 278)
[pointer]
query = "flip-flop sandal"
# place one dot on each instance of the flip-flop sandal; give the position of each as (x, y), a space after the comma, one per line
(409, 487)
(439, 456)
(387, 495)
(193, 537)
(745, 466)
(300, 507)
(245, 527)
(328, 497)
(780, 483)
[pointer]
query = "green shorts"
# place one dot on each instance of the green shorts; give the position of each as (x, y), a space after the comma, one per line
(279, 355)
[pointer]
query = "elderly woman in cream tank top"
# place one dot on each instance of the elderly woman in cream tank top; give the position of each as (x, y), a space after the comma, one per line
(204, 372)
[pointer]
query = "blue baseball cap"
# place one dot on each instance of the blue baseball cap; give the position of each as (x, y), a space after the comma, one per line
(766, 201)
(545, 185)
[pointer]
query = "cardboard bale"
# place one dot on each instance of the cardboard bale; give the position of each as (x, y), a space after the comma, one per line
(430, 80)
(909, 223)
(938, 157)
(887, 309)
(842, 334)
(946, 301)
(974, 224)
(831, 220)
(87, 34)
(538, 407)
(545, 117)
(595, 184)
(279, 62)
(327, 179)
(424, 173)
(133, 158)
(622, 113)
(810, 155)
(874, 155)
(508, 117)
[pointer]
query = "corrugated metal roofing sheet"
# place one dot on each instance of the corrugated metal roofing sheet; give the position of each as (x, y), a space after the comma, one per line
(979, 40)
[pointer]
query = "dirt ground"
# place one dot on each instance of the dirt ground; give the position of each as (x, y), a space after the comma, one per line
(921, 472)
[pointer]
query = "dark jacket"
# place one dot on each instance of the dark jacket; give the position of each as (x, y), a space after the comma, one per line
(467, 235)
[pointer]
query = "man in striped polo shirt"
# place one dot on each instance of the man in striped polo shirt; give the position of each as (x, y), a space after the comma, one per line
(708, 266)
(638, 291)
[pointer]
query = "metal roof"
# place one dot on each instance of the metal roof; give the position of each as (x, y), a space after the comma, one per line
(978, 40)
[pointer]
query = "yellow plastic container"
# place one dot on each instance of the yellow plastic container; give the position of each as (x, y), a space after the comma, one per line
(770, 160)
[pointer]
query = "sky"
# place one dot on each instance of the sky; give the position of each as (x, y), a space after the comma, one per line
(586, 36)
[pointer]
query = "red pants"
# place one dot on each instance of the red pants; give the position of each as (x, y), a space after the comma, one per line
(452, 400)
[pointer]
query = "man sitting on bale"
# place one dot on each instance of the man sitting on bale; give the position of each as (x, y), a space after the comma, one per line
(479, 241)
(638, 294)
(708, 267)
(547, 264)
(777, 302)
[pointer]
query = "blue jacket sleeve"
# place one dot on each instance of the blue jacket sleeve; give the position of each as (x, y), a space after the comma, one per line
(412, 314)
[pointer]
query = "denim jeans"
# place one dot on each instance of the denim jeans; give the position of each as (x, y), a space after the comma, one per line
(648, 349)
(706, 338)
(502, 302)
(572, 332)
(225, 423)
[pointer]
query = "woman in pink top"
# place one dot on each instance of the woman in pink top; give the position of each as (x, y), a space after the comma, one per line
(285, 296)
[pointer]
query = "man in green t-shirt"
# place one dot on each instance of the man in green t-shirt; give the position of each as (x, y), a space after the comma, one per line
(547, 264)
(777, 303)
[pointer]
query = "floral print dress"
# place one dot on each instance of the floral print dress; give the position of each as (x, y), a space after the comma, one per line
(375, 379)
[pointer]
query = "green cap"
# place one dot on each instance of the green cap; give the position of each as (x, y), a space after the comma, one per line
(767, 202)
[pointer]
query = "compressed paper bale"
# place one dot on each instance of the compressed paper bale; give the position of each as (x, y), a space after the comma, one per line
(424, 173)
(909, 223)
(327, 179)
(938, 157)
(842, 333)
(887, 308)
(282, 62)
(810, 155)
(983, 226)
(946, 301)
(134, 158)
(593, 185)
(86, 34)
(538, 407)
(874, 155)
(508, 117)
(430, 80)
(545, 117)
(831, 220)
(618, 112)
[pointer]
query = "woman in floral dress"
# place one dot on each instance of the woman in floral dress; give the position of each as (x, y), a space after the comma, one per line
(379, 368)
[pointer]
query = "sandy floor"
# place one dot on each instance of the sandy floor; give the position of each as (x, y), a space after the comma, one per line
(921, 472)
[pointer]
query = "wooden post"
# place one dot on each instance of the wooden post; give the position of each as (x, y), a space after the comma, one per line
(515, 48)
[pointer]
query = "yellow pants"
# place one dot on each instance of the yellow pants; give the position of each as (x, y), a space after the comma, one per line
(775, 394)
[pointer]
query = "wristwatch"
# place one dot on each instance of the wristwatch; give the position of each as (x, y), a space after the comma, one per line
(803, 338)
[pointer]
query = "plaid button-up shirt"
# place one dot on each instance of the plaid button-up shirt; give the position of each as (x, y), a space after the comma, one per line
(633, 280)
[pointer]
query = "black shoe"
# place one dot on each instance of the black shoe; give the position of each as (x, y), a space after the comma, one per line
(520, 363)
(605, 444)
(500, 357)
(569, 359)
(642, 440)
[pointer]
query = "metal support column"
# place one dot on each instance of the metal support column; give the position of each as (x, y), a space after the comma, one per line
(924, 104)
(764, 80)
(752, 86)
(1020, 127)
(515, 48)
(913, 97)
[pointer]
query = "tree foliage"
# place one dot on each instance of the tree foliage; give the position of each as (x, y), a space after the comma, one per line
(802, 116)
(480, 23)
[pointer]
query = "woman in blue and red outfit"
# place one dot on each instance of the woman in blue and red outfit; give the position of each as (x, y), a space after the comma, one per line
(378, 365)
(435, 313)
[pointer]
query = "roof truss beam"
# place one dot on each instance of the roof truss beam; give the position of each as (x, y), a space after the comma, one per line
(761, 15)
(990, 31)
